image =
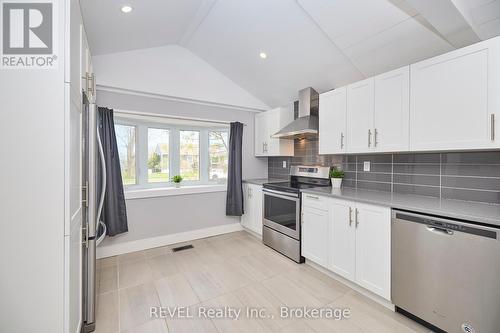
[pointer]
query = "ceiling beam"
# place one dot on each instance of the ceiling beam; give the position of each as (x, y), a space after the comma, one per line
(446, 20)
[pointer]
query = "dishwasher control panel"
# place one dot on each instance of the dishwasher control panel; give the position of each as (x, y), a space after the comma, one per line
(446, 225)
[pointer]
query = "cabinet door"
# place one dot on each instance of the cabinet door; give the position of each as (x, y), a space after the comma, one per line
(342, 239)
(84, 60)
(360, 103)
(275, 120)
(315, 235)
(246, 218)
(256, 209)
(454, 98)
(373, 248)
(391, 118)
(272, 147)
(260, 133)
(332, 121)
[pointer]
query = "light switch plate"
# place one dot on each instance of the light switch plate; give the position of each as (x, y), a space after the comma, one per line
(284, 164)
(366, 166)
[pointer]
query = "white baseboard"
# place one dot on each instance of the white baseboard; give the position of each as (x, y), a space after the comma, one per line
(374, 297)
(251, 232)
(149, 243)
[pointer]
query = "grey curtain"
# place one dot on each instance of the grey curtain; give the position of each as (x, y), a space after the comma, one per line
(114, 211)
(234, 199)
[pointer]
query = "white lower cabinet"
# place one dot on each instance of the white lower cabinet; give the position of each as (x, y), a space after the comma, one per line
(315, 235)
(252, 207)
(373, 248)
(342, 239)
(351, 239)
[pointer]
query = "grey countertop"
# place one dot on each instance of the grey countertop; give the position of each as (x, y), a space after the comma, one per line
(466, 210)
(260, 181)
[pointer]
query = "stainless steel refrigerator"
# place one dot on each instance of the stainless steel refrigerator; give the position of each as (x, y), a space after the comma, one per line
(94, 185)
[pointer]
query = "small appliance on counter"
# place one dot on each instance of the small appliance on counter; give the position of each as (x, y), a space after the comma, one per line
(281, 209)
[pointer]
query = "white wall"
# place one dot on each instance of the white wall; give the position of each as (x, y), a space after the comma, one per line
(162, 216)
(32, 196)
(171, 71)
(174, 214)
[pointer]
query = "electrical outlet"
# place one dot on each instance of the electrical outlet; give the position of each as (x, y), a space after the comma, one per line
(284, 164)
(366, 166)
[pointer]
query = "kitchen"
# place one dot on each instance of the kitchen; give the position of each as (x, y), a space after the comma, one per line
(240, 166)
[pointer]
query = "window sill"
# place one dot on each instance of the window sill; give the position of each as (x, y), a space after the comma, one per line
(168, 191)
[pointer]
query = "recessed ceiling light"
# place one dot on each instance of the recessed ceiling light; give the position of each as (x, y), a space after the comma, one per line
(126, 9)
(263, 55)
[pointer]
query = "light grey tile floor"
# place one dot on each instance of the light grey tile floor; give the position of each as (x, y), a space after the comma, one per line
(233, 270)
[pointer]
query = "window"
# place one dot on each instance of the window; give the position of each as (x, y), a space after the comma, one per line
(190, 155)
(217, 148)
(125, 138)
(158, 155)
(153, 150)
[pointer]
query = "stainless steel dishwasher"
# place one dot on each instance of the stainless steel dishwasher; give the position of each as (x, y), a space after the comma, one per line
(446, 272)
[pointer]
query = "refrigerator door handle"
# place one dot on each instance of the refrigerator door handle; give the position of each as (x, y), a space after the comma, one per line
(104, 180)
(92, 170)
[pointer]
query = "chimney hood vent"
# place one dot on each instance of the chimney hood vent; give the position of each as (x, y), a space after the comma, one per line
(307, 123)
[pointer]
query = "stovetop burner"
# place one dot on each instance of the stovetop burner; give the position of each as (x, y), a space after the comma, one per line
(291, 186)
(302, 177)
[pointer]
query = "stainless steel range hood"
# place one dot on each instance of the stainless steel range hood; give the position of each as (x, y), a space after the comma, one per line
(306, 124)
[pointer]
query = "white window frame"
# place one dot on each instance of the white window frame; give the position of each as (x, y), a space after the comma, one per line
(141, 152)
(130, 124)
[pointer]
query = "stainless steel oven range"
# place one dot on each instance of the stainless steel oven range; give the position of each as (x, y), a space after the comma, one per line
(281, 209)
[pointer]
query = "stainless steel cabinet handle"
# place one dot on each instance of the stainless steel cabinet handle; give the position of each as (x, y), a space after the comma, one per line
(492, 121)
(85, 231)
(341, 140)
(93, 84)
(85, 194)
(356, 212)
(312, 197)
(369, 138)
(88, 80)
(350, 216)
(375, 135)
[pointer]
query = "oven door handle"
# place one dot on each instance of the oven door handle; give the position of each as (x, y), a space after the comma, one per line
(280, 194)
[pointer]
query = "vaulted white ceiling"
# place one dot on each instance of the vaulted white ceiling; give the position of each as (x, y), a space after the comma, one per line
(318, 43)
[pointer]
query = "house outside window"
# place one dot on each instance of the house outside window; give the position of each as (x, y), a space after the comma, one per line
(153, 150)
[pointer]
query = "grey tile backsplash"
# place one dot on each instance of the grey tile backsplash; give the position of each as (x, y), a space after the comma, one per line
(471, 176)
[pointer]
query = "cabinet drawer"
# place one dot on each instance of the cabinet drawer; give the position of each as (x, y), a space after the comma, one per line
(315, 201)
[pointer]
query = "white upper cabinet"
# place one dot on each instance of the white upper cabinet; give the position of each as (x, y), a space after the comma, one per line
(455, 99)
(392, 111)
(360, 104)
(332, 121)
(88, 84)
(260, 134)
(268, 123)
(449, 102)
